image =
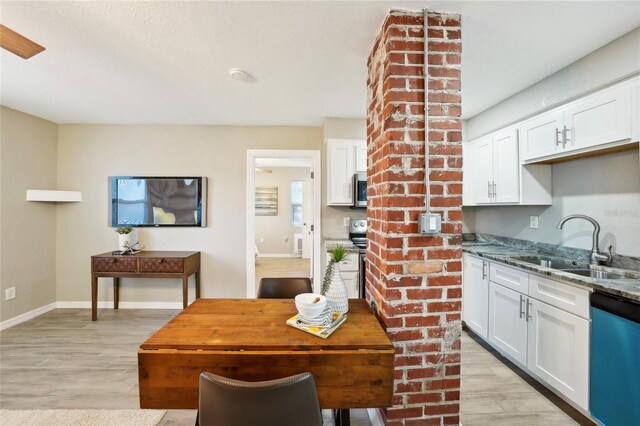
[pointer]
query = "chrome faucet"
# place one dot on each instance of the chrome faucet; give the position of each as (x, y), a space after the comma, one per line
(596, 257)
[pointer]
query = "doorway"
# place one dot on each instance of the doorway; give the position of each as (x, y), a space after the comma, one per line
(283, 215)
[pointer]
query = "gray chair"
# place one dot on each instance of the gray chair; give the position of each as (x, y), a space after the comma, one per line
(283, 288)
(290, 401)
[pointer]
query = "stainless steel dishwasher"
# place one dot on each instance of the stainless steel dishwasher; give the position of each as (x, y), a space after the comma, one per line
(615, 360)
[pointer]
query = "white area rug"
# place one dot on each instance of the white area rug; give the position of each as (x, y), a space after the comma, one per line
(80, 417)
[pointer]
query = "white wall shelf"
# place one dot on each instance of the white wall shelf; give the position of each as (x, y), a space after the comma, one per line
(52, 196)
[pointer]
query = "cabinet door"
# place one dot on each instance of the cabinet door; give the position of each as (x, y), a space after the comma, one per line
(506, 166)
(601, 118)
(558, 350)
(361, 157)
(483, 150)
(475, 295)
(340, 176)
(352, 281)
(468, 176)
(541, 136)
(507, 323)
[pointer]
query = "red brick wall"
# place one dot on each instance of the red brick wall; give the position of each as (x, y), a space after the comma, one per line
(414, 279)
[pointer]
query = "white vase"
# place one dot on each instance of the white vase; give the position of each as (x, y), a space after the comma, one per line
(337, 296)
(124, 240)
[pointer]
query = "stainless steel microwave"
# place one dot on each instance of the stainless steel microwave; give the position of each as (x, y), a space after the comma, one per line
(359, 191)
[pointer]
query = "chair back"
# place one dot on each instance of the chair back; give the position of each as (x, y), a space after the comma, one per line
(283, 288)
(290, 401)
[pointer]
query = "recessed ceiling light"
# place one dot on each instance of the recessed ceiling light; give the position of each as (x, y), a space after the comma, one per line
(238, 74)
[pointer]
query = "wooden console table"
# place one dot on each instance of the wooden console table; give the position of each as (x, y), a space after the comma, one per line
(146, 264)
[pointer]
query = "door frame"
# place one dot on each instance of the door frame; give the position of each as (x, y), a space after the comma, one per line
(314, 156)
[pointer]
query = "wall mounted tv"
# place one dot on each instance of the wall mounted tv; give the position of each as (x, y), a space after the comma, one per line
(157, 201)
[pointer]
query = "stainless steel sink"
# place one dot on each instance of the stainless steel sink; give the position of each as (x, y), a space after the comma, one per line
(550, 262)
(594, 273)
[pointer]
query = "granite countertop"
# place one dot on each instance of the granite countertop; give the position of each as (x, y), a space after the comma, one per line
(627, 288)
(332, 243)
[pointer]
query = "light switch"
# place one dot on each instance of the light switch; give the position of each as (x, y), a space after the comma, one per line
(533, 222)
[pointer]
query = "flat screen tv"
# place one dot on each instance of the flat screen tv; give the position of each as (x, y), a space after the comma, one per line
(157, 201)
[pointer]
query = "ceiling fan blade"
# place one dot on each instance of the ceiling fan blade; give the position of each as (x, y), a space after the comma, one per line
(17, 44)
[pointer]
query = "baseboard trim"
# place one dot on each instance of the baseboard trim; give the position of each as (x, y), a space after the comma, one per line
(121, 305)
(27, 316)
(262, 256)
(374, 417)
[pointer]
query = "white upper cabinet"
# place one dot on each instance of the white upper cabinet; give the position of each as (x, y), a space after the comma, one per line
(506, 166)
(542, 135)
(603, 120)
(493, 173)
(361, 157)
(344, 158)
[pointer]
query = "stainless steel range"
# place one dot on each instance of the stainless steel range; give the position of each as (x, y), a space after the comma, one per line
(358, 236)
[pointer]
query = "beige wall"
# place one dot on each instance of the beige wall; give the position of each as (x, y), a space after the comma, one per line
(90, 153)
(28, 252)
(274, 234)
(605, 187)
(333, 217)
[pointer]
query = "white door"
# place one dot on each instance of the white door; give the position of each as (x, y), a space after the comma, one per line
(599, 119)
(558, 350)
(341, 170)
(541, 136)
(307, 221)
(507, 322)
(483, 150)
(475, 294)
(506, 166)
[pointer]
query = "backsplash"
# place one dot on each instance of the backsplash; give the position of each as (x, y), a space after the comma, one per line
(619, 261)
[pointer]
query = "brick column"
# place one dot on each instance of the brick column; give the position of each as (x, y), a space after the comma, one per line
(414, 279)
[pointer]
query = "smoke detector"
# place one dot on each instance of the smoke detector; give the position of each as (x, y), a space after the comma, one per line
(238, 74)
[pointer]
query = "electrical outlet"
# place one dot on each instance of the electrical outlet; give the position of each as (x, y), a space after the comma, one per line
(10, 293)
(262, 240)
(345, 221)
(533, 222)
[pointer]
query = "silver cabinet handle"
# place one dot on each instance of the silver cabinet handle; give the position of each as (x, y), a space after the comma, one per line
(567, 133)
(529, 303)
(494, 191)
(521, 307)
(559, 137)
(484, 270)
(489, 189)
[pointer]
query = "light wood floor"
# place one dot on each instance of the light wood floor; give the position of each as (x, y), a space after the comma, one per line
(62, 359)
(269, 267)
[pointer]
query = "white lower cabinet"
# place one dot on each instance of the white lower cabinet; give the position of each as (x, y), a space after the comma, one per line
(548, 338)
(475, 294)
(352, 281)
(507, 325)
(558, 350)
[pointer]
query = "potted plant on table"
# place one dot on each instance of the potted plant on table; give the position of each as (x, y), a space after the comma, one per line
(124, 237)
(333, 286)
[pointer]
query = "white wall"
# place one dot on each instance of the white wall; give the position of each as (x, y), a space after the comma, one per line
(28, 252)
(87, 154)
(274, 234)
(604, 187)
(332, 217)
(616, 60)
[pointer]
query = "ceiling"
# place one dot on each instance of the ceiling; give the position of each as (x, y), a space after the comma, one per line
(168, 62)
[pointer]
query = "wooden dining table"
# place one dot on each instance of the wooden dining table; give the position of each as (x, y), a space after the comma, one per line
(247, 339)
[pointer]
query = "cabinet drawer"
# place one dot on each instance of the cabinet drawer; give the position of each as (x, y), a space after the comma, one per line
(113, 264)
(350, 262)
(564, 296)
(162, 265)
(512, 278)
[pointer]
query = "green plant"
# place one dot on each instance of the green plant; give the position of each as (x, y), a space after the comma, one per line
(337, 255)
(124, 230)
